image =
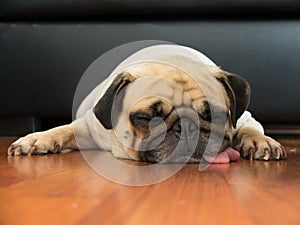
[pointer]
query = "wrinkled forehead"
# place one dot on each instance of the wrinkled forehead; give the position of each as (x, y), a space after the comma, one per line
(189, 87)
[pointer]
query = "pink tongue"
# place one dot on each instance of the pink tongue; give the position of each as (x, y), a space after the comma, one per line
(226, 156)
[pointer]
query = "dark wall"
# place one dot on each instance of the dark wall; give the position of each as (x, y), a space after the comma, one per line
(45, 49)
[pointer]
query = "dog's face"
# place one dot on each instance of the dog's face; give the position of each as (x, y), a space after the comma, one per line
(158, 112)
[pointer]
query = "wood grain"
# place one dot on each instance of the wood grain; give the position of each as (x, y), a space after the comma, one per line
(63, 189)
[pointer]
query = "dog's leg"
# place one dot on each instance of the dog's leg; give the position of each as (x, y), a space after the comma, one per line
(59, 139)
(251, 142)
(53, 140)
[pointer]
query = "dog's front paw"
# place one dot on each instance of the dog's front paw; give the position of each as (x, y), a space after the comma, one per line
(35, 143)
(261, 147)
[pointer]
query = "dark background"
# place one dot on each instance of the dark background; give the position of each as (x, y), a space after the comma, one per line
(46, 46)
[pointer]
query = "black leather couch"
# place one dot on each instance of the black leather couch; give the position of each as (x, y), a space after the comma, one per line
(45, 47)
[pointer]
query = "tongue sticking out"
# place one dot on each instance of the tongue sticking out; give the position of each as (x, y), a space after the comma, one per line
(226, 156)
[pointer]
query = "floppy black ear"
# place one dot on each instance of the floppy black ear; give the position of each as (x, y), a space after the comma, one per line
(238, 91)
(103, 108)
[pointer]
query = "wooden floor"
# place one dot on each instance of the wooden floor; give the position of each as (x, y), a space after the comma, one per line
(63, 189)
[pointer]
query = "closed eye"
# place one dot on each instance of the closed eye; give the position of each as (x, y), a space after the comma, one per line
(140, 120)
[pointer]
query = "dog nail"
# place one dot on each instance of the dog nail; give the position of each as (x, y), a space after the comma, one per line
(17, 151)
(277, 152)
(10, 150)
(267, 155)
(284, 154)
(251, 153)
(31, 150)
(56, 148)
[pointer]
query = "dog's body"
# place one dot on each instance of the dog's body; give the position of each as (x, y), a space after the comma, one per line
(150, 110)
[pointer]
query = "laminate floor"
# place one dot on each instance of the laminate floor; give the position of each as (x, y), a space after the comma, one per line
(63, 189)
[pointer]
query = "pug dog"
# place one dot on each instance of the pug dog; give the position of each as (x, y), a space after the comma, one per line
(163, 110)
